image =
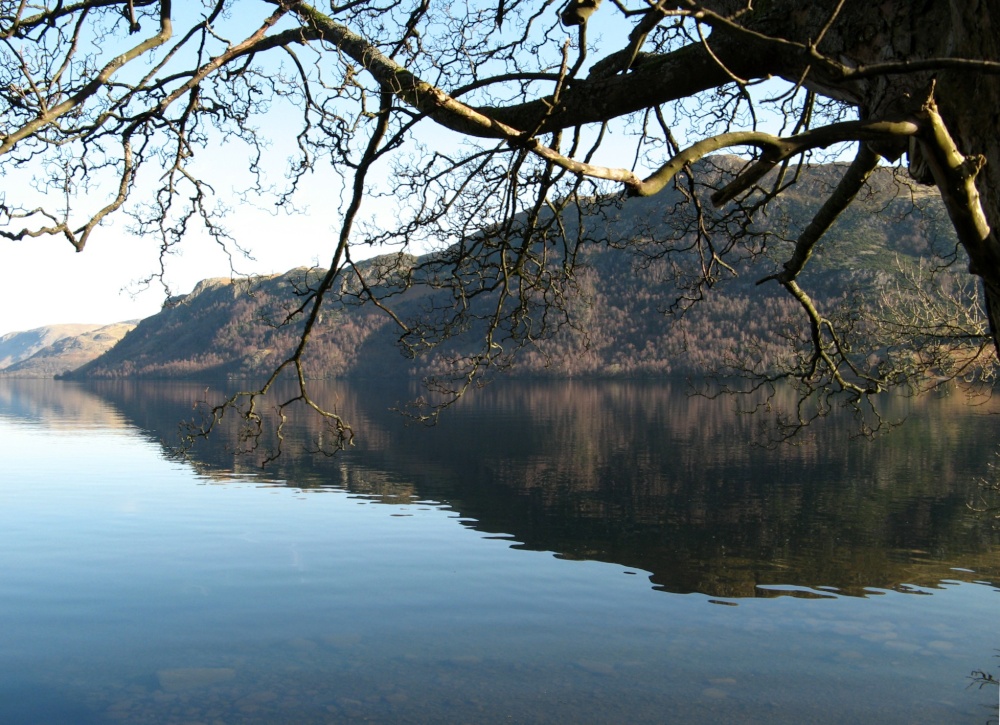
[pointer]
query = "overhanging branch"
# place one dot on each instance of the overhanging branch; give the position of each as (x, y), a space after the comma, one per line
(853, 180)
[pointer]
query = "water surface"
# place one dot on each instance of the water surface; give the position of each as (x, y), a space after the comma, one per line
(579, 553)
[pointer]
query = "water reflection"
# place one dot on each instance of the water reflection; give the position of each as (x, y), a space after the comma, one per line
(135, 592)
(57, 406)
(641, 475)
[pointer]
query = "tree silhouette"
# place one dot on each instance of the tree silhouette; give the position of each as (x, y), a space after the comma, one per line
(531, 93)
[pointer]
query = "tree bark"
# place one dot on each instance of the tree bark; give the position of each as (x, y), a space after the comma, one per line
(961, 144)
(959, 149)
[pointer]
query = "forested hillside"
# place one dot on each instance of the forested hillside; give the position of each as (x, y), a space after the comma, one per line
(634, 311)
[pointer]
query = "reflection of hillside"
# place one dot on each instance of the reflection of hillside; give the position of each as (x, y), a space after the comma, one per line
(57, 405)
(648, 477)
(645, 476)
(162, 408)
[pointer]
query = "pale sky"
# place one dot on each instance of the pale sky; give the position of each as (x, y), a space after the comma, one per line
(44, 281)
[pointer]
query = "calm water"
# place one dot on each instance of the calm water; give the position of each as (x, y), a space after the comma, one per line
(564, 553)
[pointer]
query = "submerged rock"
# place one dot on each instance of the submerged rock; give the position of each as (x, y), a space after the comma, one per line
(187, 678)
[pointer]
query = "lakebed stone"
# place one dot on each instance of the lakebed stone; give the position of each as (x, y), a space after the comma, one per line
(187, 678)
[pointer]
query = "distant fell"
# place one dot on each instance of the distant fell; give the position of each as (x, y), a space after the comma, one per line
(56, 349)
(17, 346)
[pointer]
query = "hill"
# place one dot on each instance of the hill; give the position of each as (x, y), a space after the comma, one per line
(17, 346)
(630, 303)
(56, 349)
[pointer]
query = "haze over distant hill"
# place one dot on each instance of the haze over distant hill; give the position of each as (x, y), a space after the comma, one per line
(619, 325)
(55, 349)
(16, 346)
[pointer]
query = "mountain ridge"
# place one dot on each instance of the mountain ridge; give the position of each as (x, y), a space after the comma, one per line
(51, 350)
(621, 291)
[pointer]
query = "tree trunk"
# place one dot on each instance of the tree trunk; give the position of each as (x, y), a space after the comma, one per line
(967, 102)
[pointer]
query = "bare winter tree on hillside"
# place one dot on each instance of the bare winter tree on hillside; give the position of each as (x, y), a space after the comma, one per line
(489, 124)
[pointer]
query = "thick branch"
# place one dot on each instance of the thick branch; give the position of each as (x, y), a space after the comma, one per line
(955, 176)
(775, 150)
(676, 75)
(857, 174)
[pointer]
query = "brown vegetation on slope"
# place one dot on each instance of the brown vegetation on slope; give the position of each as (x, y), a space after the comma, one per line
(631, 314)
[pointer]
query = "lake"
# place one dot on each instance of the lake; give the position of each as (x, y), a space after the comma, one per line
(548, 553)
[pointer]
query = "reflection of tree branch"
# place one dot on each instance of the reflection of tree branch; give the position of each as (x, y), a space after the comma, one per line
(989, 493)
(246, 401)
(982, 678)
